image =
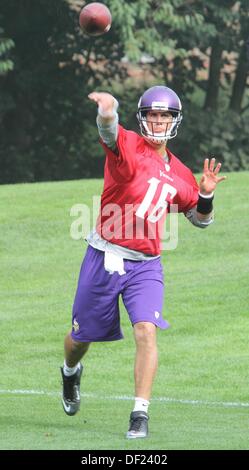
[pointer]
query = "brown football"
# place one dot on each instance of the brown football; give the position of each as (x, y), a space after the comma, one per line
(95, 19)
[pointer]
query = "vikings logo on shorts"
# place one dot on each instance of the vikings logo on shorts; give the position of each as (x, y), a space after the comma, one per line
(76, 326)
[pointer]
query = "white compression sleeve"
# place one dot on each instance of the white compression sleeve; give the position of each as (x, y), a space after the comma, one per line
(108, 132)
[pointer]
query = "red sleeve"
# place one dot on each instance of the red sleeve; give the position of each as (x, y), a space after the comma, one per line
(189, 193)
(122, 163)
(193, 196)
(187, 186)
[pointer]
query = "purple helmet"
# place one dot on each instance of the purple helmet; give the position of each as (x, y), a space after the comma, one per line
(159, 98)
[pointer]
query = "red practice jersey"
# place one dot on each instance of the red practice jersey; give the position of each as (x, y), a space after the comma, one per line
(139, 187)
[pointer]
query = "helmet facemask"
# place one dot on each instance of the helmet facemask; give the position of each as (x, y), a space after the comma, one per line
(158, 137)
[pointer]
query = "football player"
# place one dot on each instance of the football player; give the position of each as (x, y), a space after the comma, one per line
(142, 179)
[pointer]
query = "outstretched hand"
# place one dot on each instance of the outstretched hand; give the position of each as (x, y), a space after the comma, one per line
(107, 104)
(210, 177)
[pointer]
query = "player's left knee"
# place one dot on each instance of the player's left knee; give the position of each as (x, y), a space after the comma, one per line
(145, 332)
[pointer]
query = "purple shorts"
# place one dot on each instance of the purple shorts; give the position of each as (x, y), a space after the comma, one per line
(96, 315)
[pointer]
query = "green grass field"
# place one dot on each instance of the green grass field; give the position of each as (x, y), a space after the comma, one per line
(201, 394)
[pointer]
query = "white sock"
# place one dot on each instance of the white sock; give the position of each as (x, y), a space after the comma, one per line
(141, 404)
(70, 370)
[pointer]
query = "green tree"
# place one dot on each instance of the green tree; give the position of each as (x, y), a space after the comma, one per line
(181, 37)
(44, 117)
(242, 72)
(48, 126)
(6, 44)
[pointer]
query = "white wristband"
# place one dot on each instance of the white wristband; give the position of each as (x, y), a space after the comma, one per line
(206, 196)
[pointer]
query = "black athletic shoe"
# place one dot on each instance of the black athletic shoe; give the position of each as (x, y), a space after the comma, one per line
(138, 425)
(71, 392)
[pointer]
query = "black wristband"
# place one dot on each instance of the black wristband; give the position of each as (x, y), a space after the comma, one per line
(205, 204)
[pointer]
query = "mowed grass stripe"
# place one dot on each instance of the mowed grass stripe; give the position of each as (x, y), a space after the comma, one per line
(123, 397)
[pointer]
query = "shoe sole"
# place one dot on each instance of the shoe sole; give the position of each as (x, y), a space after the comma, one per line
(136, 436)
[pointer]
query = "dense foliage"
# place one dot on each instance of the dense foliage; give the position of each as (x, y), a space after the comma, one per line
(48, 67)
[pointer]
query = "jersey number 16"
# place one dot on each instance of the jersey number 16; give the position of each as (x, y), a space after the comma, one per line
(162, 203)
